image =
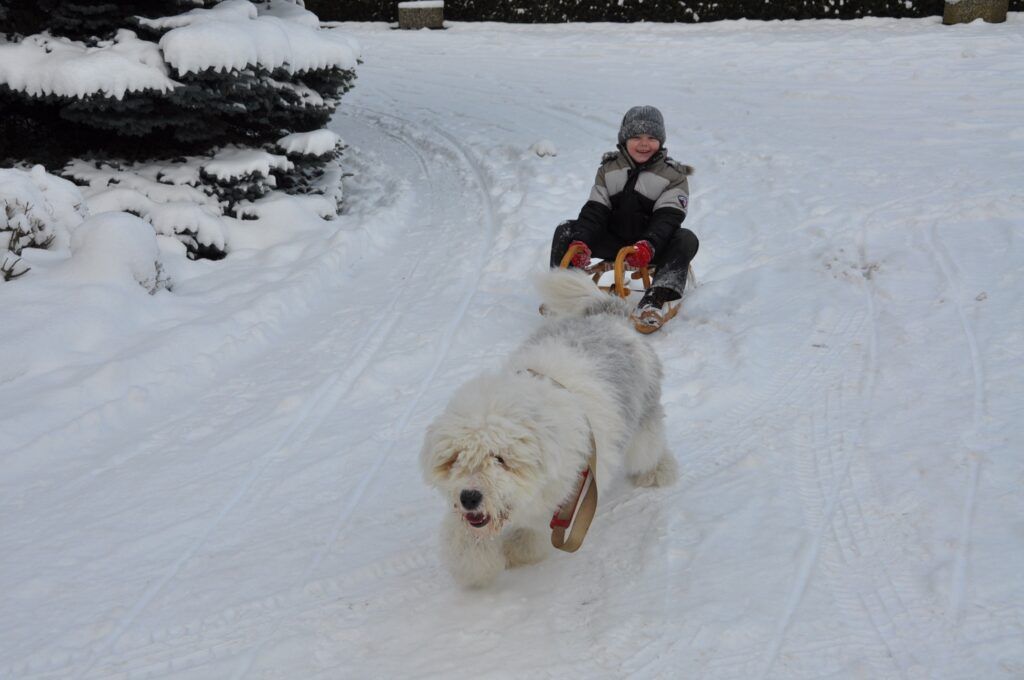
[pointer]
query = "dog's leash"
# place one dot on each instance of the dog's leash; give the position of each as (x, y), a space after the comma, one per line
(574, 518)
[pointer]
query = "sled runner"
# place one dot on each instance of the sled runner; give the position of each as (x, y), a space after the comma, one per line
(645, 321)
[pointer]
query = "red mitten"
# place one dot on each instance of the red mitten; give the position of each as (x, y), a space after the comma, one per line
(641, 257)
(581, 259)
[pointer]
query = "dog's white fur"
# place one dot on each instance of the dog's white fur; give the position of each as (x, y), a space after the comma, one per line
(521, 440)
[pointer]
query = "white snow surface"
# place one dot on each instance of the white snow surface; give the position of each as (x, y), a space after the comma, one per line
(221, 481)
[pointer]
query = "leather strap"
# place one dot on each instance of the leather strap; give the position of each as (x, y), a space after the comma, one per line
(574, 518)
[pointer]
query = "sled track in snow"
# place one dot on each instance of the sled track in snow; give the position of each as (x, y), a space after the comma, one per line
(325, 399)
(950, 272)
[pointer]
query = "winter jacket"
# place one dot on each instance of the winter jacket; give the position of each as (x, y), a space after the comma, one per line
(645, 202)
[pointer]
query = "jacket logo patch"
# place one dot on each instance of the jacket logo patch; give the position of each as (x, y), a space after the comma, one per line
(683, 201)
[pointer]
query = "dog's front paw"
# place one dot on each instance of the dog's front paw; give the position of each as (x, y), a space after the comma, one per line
(665, 473)
(523, 546)
(474, 562)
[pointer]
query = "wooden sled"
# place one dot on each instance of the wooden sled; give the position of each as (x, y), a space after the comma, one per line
(645, 322)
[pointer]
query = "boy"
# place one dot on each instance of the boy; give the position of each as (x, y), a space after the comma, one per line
(639, 198)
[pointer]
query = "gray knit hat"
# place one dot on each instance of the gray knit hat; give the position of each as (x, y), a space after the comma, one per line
(642, 120)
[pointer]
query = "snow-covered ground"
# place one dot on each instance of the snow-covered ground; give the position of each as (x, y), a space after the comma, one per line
(220, 481)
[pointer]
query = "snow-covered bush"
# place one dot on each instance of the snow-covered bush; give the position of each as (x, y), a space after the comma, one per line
(37, 210)
(231, 74)
(190, 198)
(117, 248)
(204, 96)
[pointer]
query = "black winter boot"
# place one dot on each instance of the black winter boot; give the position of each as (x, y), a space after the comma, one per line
(653, 310)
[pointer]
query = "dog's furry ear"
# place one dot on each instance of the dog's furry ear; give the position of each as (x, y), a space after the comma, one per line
(434, 464)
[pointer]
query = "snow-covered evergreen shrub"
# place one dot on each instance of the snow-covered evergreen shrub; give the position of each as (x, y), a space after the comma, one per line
(231, 74)
(211, 89)
(37, 210)
(189, 198)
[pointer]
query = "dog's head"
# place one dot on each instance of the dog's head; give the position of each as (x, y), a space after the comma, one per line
(484, 455)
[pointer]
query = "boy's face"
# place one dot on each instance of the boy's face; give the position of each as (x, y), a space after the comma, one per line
(642, 147)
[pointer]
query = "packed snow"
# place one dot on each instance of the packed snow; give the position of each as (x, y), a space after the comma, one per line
(210, 468)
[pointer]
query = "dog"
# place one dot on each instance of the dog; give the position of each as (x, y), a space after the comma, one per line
(508, 450)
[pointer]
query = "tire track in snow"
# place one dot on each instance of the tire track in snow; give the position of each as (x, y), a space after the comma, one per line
(833, 497)
(850, 539)
(861, 575)
(973, 439)
(470, 288)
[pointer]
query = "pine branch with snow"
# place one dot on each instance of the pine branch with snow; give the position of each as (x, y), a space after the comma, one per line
(206, 95)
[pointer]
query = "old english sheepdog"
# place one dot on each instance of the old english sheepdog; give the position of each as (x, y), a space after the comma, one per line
(509, 449)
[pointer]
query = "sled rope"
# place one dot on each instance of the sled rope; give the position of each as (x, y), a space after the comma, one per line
(575, 517)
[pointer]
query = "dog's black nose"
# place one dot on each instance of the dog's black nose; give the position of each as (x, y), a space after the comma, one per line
(470, 499)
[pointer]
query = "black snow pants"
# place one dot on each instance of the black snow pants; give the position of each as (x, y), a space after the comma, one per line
(672, 260)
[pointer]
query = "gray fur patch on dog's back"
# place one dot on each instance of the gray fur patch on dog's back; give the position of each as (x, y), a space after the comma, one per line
(611, 304)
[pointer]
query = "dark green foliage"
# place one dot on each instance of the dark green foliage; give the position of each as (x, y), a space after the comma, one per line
(555, 11)
(252, 106)
(356, 10)
(87, 21)
(82, 19)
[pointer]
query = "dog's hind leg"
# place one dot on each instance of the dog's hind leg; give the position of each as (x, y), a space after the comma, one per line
(473, 561)
(648, 461)
(524, 546)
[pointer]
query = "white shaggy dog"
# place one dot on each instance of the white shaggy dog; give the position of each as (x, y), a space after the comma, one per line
(509, 448)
